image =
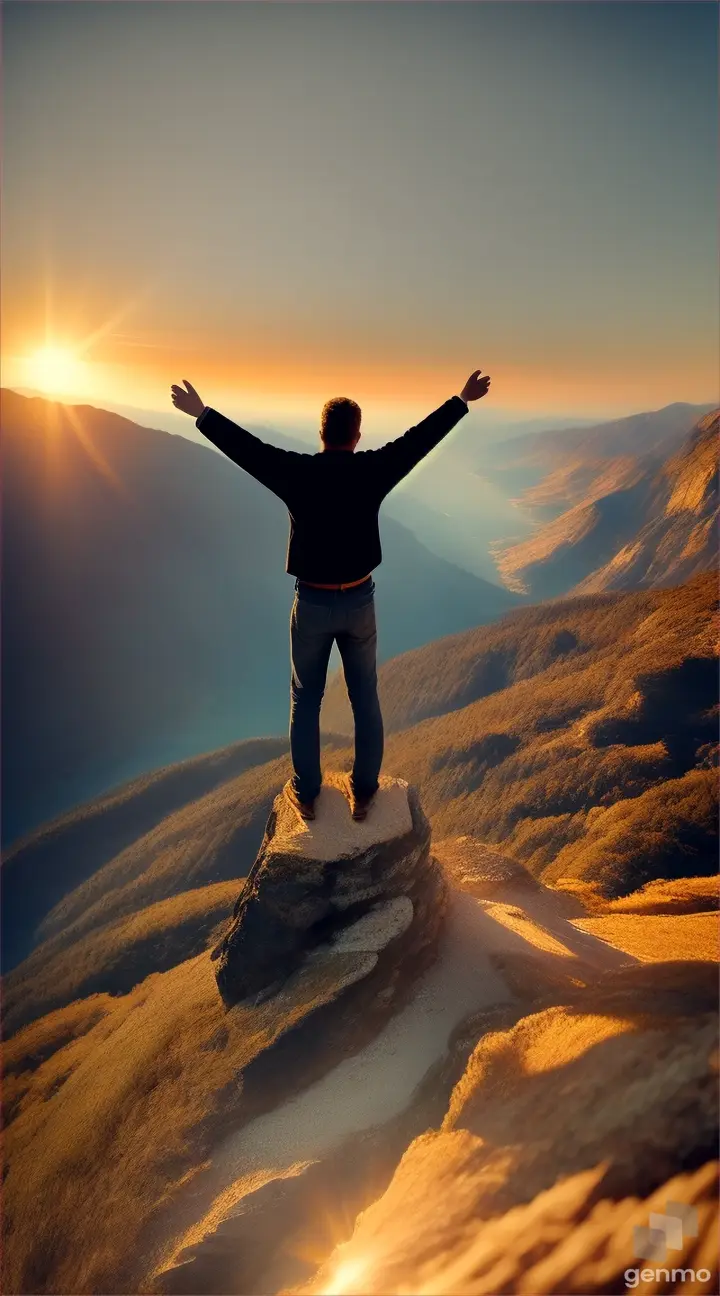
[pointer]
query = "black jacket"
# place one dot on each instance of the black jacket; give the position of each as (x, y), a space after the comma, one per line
(333, 497)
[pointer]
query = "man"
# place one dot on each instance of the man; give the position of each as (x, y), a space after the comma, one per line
(333, 498)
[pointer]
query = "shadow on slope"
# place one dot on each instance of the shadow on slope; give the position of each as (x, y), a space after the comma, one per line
(51, 862)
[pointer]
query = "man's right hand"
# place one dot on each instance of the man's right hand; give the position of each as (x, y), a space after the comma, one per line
(187, 401)
(475, 387)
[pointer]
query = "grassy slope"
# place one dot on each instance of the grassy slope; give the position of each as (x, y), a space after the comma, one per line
(591, 765)
(119, 954)
(649, 936)
(583, 766)
(46, 865)
(143, 1085)
(567, 636)
(156, 903)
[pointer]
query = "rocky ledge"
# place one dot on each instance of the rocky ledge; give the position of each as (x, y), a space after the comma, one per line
(365, 897)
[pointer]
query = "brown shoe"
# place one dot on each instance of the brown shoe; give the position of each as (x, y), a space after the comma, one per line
(306, 809)
(359, 806)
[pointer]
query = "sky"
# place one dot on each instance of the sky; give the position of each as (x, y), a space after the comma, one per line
(283, 202)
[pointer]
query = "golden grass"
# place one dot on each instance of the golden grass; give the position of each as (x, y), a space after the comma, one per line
(106, 1110)
(658, 833)
(674, 896)
(681, 895)
(580, 768)
(115, 1104)
(210, 839)
(120, 954)
(596, 638)
(658, 938)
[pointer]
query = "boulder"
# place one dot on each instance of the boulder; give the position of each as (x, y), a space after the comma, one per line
(358, 896)
(483, 870)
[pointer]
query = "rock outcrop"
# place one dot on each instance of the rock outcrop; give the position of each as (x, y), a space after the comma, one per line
(358, 896)
(483, 870)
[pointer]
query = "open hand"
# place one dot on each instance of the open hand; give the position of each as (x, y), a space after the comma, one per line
(187, 401)
(475, 387)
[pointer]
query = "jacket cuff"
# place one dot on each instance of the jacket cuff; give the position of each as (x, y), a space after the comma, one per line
(460, 398)
(201, 415)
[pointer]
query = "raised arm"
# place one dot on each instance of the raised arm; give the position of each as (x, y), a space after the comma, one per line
(396, 459)
(268, 464)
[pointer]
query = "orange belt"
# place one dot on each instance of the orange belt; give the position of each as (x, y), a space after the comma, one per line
(347, 585)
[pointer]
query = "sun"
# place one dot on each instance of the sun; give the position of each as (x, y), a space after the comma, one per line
(55, 369)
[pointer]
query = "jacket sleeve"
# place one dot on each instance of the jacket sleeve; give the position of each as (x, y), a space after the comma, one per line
(396, 459)
(267, 463)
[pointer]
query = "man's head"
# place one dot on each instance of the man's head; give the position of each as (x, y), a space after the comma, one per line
(340, 424)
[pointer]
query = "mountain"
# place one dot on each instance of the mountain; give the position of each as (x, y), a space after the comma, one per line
(247, 1054)
(632, 522)
(460, 513)
(578, 736)
(492, 487)
(358, 1065)
(497, 422)
(145, 603)
(679, 536)
(659, 432)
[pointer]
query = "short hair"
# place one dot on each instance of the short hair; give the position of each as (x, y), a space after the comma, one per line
(340, 421)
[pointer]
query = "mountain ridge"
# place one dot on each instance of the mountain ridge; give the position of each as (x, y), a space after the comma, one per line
(631, 522)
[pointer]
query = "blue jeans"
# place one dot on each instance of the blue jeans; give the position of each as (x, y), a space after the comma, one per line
(318, 618)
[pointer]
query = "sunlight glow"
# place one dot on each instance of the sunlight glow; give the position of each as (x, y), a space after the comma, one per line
(67, 367)
(55, 370)
(346, 1276)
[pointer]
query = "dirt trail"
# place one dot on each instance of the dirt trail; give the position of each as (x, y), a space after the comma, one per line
(378, 1083)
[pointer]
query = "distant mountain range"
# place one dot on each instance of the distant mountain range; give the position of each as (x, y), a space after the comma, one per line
(491, 487)
(639, 514)
(496, 422)
(145, 603)
(657, 432)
